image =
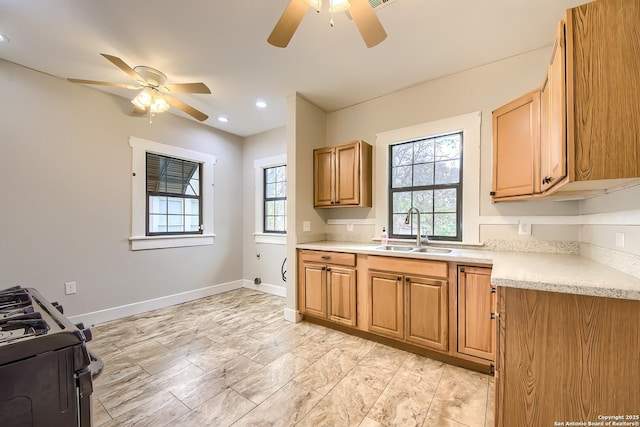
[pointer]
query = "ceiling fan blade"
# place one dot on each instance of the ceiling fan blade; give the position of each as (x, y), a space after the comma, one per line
(199, 115)
(367, 22)
(123, 66)
(288, 23)
(94, 82)
(186, 88)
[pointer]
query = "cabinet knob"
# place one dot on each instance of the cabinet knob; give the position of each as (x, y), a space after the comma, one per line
(493, 193)
(399, 278)
(408, 279)
(495, 315)
(546, 180)
(493, 290)
(325, 257)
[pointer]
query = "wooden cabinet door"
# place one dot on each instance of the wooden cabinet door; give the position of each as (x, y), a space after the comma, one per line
(324, 177)
(347, 174)
(516, 145)
(313, 301)
(427, 312)
(476, 302)
(386, 309)
(341, 283)
(553, 116)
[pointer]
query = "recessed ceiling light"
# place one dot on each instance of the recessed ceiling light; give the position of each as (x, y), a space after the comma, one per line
(223, 119)
(261, 103)
(3, 38)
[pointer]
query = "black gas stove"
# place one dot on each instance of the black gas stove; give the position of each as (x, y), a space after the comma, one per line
(46, 370)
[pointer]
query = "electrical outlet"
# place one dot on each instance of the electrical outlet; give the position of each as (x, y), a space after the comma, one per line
(620, 240)
(524, 228)
(349, 227)
(306, 225)
(70, 288)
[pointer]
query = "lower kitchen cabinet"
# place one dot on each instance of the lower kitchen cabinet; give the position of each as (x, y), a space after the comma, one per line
(565, 357)
(341, 288)
(327, 285)
(386, 308)
(476, 308)
(426, 312)
(314, 290)
(406, 305)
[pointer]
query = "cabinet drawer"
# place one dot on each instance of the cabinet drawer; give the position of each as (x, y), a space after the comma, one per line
(335, 258)
(409, 266)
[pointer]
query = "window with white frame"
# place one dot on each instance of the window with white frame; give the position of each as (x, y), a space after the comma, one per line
(171, 196)
(426, 174)
(469, 126)
(275, 199)
(271, 200)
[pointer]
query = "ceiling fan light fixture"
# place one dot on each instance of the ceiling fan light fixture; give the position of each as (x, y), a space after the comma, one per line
(144, 99)
(316, 4)
(160, 105)
(336, 6)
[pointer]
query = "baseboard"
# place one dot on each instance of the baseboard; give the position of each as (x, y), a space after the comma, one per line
(292, 315)
(266, 288)
(114, 313)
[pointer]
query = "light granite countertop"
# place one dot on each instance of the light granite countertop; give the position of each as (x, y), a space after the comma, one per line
(571, 274)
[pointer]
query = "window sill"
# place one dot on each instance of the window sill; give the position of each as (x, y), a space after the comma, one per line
(139, 243)
(272, 238)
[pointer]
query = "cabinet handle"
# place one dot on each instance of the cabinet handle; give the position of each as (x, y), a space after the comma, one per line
(494, 315)
(493, 290)
(546, 180)
(493, 193)
(325, 257)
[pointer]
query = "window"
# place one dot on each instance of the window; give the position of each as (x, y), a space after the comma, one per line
(271, 200)
(426, 174)
(173, 196)
(275, 199)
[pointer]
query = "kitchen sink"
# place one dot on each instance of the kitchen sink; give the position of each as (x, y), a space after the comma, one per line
(394, 248)
(425, 250)
(431, 250)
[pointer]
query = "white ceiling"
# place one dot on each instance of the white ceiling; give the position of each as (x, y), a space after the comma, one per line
(223, 44)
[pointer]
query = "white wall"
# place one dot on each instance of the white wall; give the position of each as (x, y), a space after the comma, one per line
(65, 168)
(267, 267)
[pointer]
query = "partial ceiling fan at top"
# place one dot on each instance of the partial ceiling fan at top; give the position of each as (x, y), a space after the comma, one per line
(361, 11)
(154, 95)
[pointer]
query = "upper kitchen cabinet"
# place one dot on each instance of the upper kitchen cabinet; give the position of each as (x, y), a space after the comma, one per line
(516, 137)
(553, 118)
(589, 138)
(342, 175)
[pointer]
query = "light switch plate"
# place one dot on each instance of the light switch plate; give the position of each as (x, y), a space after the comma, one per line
(306, 225)
(524, 228)
(70, 288)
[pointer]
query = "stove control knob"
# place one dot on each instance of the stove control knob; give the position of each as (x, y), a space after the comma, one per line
(86, 331)
(57, 305)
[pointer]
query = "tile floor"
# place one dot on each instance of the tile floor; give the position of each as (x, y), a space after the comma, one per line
(231, 359)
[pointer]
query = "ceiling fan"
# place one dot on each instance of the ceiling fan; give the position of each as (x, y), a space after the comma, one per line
(154, 96)
(361, 11)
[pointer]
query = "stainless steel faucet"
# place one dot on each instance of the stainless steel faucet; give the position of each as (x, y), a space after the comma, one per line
(418, 233)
